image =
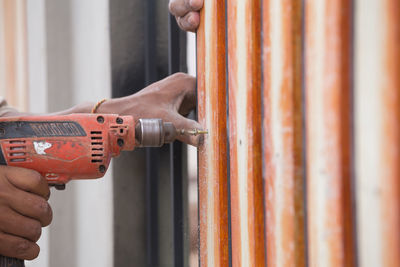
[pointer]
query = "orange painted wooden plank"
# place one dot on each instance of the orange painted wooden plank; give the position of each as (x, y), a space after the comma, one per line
(283, 133)
(328, 138)
(377, 126)
(244, 71)
(213, 182)
(13, 53)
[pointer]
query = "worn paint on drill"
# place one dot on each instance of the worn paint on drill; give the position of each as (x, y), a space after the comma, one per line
(328, 112)
(377, 131)
(213, 194)
(244, 70)
(40, 147)
(283, 140)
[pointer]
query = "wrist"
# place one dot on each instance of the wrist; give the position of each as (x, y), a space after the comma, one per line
(122, 106)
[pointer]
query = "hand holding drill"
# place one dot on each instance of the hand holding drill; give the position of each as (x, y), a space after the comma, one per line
(24, 209)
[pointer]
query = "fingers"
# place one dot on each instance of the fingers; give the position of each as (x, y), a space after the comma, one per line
(189, 98)
(23, 211)
(187, 124)
(186, 13)
(190, 22)
(27, 180)
(18, 247)
(177, 91)
(33, 206)
(181, 7)
(15, 224)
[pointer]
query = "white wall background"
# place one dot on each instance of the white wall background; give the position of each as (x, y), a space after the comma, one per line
(69, 63)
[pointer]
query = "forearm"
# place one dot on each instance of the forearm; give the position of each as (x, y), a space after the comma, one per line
(169, 99)
(117, 105)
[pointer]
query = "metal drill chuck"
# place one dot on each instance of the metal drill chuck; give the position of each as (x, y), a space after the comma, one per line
(154, 132)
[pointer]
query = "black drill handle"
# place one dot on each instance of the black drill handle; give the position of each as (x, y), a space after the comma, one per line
(11, 262)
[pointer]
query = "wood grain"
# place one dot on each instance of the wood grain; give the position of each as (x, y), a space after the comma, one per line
(244, 71)
(213, 153)
(13, 53)
(328, 124)
(283, 133)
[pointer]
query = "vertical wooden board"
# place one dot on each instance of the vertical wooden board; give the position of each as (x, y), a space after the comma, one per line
(213, 194)
(282, 140)
(244, 71)
(13, 53)
(377, 117)
(328, 113)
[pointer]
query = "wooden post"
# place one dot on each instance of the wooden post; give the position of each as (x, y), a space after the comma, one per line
(244, 70)
(377, 131)
(328, 125)
(283, 133)
(213, 157)
(13, 53)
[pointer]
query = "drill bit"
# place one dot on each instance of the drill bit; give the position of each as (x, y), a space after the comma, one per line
(193, 132)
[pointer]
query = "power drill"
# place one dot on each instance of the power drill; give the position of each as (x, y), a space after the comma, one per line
(76, 146)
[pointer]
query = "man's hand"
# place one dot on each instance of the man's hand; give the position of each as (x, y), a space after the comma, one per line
(24, 210)
(170, 99)
(186, 13)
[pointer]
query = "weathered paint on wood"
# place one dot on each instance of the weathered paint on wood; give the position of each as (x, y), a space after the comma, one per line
(283, 141)
(213, 182)
(13, 53)
(377, 126)
(244, 71)
(328, 138)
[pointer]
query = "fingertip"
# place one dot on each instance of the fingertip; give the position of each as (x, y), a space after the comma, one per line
(190, 140)
(196, 4)
(172, 7)
(26, 250)
(195, 141)
(194, 19)
(189, 22)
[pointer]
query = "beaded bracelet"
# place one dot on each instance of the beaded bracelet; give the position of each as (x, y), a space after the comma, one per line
(94, 109)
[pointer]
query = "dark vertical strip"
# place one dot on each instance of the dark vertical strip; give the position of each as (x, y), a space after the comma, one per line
(173, 46)
(228, 158)
(176, 152)
(303, 126)
(198, 161)
(152, 156)
(150, 42)
(262, 18)
(352, 135)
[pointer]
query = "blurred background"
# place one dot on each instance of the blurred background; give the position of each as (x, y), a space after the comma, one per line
(57, 53)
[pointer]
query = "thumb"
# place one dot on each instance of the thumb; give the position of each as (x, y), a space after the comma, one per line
(182, 123)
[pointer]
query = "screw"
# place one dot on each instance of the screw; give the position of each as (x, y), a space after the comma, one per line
(193, 132)
(120, 120)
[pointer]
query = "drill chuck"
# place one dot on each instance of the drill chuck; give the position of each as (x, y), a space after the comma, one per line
(154, 132)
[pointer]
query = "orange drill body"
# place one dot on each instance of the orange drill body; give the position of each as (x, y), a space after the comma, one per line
(62, 148)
